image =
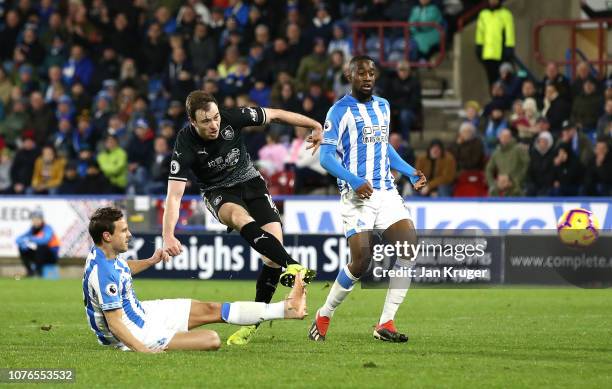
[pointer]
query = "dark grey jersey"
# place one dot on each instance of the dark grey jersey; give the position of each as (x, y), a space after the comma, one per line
(218, 163)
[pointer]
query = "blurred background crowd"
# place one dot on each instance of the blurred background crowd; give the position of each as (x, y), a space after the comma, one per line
(92, 95)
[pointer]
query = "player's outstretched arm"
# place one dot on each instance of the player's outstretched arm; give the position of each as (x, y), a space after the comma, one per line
(416, 177)
(139, 265)
(296, 119)
(171, 213)
(329, 162)
(121, 332)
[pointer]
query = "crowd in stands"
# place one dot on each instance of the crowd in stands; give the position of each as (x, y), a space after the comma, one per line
(548, 137)
(92, 94)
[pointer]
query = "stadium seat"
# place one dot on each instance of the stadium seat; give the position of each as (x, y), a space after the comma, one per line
(281, 183)
(471, 183)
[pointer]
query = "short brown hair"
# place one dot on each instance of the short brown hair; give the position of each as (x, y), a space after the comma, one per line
(102, 220)
(198, 100)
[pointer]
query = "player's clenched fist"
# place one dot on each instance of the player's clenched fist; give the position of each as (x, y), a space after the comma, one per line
(365, 190)
(172, 246)
(159, 255)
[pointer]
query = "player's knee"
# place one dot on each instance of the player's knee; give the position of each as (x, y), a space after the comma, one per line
(212, 341)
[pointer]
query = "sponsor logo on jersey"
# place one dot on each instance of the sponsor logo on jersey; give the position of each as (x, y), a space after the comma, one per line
(227, 133)
(175, 167)
(232, 157)
(111, 290)
(252, 112)
(217, 200)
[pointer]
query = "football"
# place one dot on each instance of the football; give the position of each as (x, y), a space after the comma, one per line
(578, 228)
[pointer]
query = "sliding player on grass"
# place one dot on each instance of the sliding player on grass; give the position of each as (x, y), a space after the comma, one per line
(355, 149)
(120, 320)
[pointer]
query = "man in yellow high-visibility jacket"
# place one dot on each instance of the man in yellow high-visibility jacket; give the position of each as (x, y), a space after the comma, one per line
(494, 38)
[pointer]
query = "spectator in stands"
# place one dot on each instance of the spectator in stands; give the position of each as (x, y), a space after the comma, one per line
(468, 149)
(539, 179)
(123, 37)
(113, 163)
(508, 160)
(524, 120)
(426, 38)
(440, 169)
(176, 114)
(528, 90)
(603, 123)
(340, 41)
(54, 86)
(26, 79)
(71, 184)
(472, 113)
(496, 123)
(202, 49)
(599, 172)
(78, 67)
(272, 156)
(102, 112)
(186, 21)
(48, 172)
(498, 98)
(160, 167)
(108, 67)
(41, 118)
(568, 172)
(556, 109)
(61, 139)
(578, 142)
(260, 93)
(140, 111)
(404, 94)
(586, 107)
(9, 33)
(239, 10)
(84, 157)
(81, 100)
(280, 59)
(557, 79)
(309, 173)
(297, 45)
(321, 23)
(336, 81)
(39, 246)
(84, 134)
(313, 68)
(153, 52)
(95, 182)
(5, 86)
(494, 38)
(583, 73)
(164, 19)
(511, 84)
(23, 164)
(140, 156)
(6, 162)
(32, 48)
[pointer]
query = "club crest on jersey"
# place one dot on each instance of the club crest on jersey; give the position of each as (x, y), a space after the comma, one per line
(111, 290)
(327, 125)
(174, 167)
(227, 133)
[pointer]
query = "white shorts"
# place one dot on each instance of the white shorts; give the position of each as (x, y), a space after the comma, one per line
(381, 210)
(163, 319)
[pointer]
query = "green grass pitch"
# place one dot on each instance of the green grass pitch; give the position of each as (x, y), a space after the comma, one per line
(495, 337)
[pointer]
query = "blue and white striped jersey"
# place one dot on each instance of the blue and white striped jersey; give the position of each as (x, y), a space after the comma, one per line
(360, 132)
(107, 285)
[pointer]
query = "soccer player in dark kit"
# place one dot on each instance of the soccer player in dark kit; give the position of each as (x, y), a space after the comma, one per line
(211, 146)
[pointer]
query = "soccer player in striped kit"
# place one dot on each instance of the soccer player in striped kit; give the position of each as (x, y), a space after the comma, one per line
(355, 149)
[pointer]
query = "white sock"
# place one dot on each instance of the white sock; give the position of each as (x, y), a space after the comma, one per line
(398, 287)
(249, 312)
(341, 288)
